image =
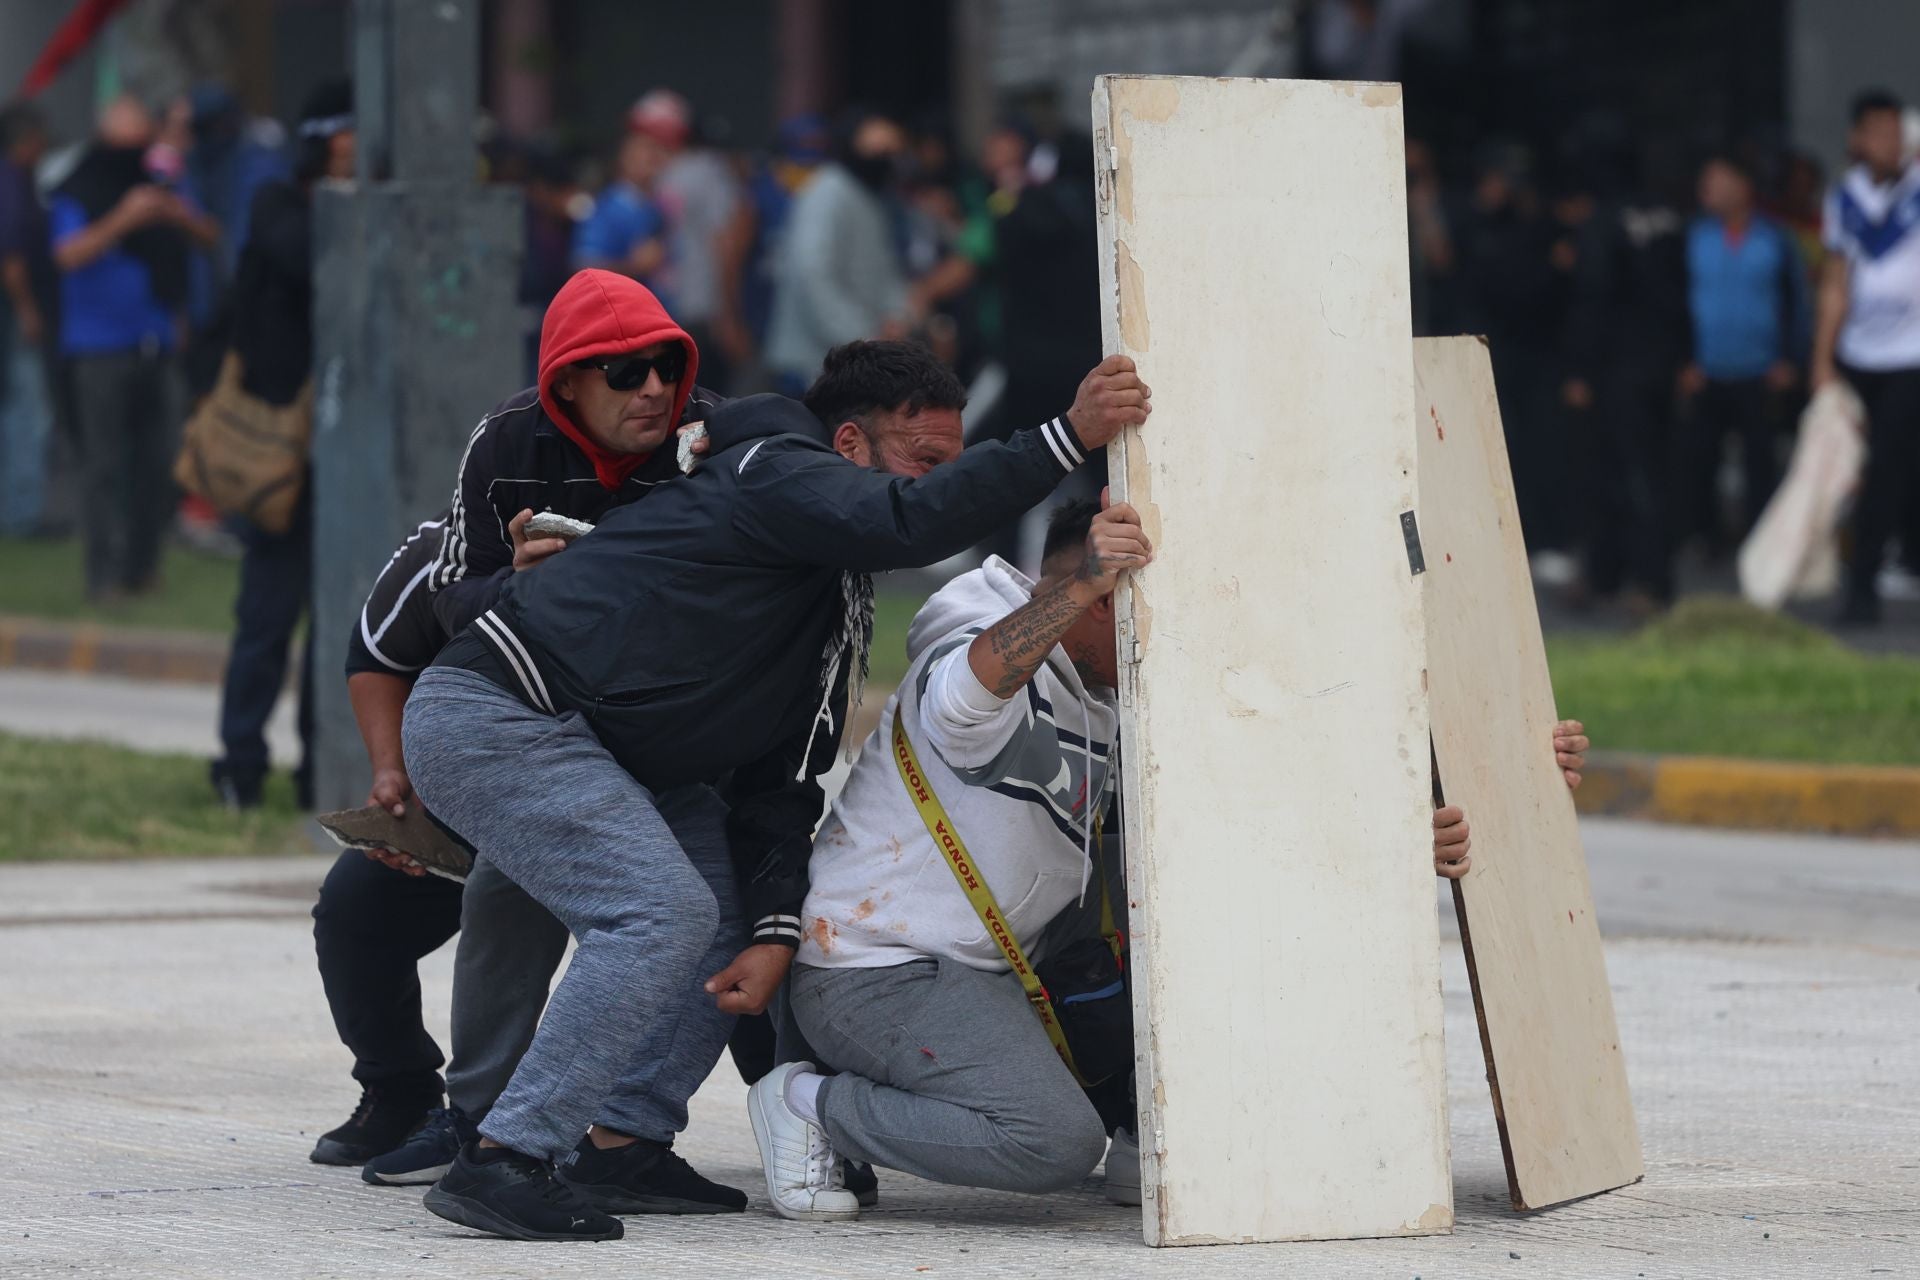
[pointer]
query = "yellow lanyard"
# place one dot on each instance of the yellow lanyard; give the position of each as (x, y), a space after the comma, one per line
(974, 885)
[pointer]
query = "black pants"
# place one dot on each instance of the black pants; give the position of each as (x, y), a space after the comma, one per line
(276, 588)
(1625, 447)
(1891, 480)
(371, 928)
(1746, 408)
(127, 407)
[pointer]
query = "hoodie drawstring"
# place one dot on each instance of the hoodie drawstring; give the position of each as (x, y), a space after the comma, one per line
(854, 637)
(825, 713)
(1086, 785)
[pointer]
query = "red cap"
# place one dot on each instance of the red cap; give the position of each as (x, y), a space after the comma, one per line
(664, 116)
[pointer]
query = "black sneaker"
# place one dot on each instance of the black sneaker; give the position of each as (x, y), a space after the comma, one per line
(507, 1194)
(644, 1177)
(859, 1178)
(385, 1118)
(428, 1154)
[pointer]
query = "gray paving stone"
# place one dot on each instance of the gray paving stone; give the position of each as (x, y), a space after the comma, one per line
(168, 1059)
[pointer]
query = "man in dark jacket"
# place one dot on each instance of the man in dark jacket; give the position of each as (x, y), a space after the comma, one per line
(273, 340)
(576, 445)
(708, 632)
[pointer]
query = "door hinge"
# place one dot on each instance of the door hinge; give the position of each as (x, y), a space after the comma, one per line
(1410, 530)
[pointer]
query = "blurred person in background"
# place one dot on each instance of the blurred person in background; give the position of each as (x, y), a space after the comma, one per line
(553, 204)
(946, 238)
(1500, 281)
(751, 265)
(1752, 320)
(1430, 243)
(840, 278)
(233, 155)
(1046, 254)
(1868, 330)
(122, 242)
(626, 230)
(1798, 208)
(29, 310)
(700, 196)
(1626, 341)
(273, 337)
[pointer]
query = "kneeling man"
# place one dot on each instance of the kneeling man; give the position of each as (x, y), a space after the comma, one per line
(1008, 716)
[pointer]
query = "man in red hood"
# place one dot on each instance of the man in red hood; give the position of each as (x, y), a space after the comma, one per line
(616, 379)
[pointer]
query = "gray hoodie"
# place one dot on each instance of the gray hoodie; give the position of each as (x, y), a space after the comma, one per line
(1015, 778)
(839, 276)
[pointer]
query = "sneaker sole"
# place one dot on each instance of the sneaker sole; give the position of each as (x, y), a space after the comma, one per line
(619, 1201)
(327, 1151)
(469, 1213)
(410, 1178)
(762, 1140)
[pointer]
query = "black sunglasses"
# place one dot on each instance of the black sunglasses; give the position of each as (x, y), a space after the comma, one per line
(624, 373)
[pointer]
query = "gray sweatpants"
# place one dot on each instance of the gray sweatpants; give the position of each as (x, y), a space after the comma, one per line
(510, 947)
(946, 1074)
(628, 1034)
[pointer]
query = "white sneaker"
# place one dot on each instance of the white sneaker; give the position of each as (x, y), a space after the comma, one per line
(803, 1175)
(1123, 1168)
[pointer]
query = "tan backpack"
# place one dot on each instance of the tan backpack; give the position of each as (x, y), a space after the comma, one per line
(245, 456)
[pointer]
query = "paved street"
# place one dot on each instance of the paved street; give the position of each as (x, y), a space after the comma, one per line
(147, 715)
(169, 1060)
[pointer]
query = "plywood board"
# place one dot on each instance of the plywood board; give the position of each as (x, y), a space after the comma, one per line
(1276, 766)
(1526, 908)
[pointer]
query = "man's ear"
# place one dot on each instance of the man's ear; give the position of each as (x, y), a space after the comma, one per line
(1102, 609)
(851, 443)
(563, 386)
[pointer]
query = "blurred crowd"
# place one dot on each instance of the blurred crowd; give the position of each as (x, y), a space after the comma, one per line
(861, 227)
(1654, 340)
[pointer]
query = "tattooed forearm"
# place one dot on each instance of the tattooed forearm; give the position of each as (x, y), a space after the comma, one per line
(1005, 655)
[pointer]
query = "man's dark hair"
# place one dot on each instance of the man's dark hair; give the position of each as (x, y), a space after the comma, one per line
(1868, 101)
(1068, 526)
(20, 120)
(863, 378)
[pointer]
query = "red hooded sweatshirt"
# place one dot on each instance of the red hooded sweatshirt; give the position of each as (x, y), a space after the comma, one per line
(601, 313)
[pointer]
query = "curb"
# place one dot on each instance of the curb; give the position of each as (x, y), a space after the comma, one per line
(87, 648)
(1859, 800)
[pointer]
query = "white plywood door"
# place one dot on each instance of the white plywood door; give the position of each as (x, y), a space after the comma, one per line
(1526, 909)
(1276, 764)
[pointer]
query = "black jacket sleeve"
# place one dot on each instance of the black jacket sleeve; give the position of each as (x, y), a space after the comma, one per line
(773, 806)
(476, 553)
(806, 504)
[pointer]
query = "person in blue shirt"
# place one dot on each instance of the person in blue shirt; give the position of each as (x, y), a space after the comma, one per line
(1750, 304)
(122, 243)
(28, 308)
(627, 230)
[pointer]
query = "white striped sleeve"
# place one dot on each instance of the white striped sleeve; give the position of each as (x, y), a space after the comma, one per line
(1066, 449)
(777, 928)
(451, 564)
